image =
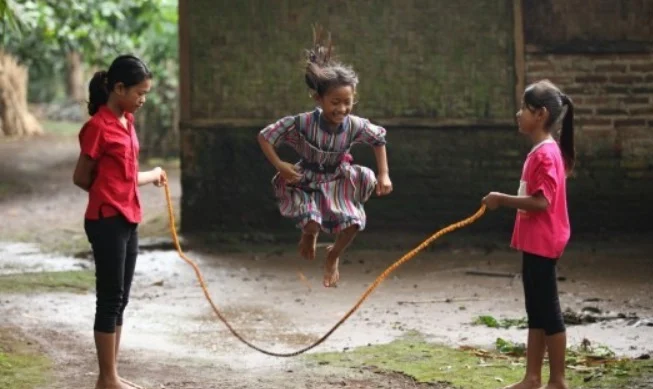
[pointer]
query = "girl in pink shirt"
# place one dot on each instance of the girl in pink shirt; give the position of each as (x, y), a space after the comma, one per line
(542, 226)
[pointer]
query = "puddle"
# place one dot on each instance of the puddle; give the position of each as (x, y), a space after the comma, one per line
(26, 257)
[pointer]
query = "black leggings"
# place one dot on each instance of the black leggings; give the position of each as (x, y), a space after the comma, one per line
(115, 247)
(541, 294)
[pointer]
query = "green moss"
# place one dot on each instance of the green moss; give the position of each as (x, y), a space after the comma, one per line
(21, 365)
(406, 70)
(470, 369)
(62, 281)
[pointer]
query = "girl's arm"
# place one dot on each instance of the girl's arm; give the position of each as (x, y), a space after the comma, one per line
(155, 176)
(383, 184)
(84, 174)
(269, 151)
(287, 170)
(381, 160)
(537, 202)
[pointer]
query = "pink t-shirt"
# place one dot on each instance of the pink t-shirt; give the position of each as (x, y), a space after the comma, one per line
(544, 233)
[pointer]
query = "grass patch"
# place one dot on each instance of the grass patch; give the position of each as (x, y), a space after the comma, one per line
(61, 127)
(64, 243)
(21, 365)
(59, 281)
(477, 369)
(490, 321)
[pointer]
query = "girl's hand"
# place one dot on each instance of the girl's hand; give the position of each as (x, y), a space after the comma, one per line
(159, 176)
(493, 200)
(383, 185)
(289, 172)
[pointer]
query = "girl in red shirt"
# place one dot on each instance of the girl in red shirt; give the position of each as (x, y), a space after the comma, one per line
(107, 169)
(542, 228)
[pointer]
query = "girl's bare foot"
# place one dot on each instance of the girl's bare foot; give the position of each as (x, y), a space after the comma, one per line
(331, 273)
(526, 384)
(555, 385)
(111, 384)
(307, 245)
(131, 384)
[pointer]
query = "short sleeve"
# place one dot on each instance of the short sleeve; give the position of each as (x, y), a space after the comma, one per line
(281, 131)
(544, 179)
(369, 133)
(91, 140)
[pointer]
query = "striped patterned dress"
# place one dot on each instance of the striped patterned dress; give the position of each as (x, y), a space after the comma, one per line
(332, 190)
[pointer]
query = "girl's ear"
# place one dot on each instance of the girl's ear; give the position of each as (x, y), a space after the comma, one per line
(119, 88)
(542, 114)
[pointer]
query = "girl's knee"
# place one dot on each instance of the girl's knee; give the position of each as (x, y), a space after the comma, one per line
(311, 227)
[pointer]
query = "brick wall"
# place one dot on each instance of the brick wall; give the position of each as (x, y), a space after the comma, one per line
(613, 95)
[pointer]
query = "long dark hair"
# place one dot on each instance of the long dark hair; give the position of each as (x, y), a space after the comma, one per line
(127, 69)
(544, 94)
(322, 70)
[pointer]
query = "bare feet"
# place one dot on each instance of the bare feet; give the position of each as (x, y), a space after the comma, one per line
(555, 385)
(526, 384)
(307, 245)
(131, 384)
(331, 273)
(111, 384)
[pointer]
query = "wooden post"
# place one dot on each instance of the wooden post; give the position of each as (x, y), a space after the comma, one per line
(520, 61)
(184, 61)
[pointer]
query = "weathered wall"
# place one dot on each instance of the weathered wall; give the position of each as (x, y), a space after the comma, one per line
(602, 57)
(416, 58)
(421, 63)
(439, 177)
(441, 75)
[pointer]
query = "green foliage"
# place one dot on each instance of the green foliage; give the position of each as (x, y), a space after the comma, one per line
(8, 20)
(490, 321)
(100, 31)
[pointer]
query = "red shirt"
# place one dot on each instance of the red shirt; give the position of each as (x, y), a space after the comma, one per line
(544, 233)
(115, 149)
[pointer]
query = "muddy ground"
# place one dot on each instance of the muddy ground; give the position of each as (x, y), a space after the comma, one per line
(172, 339)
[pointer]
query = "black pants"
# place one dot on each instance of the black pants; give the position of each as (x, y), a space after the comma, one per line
(115, 247)
(541, 294)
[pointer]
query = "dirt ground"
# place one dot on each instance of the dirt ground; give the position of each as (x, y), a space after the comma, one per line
(172, 339)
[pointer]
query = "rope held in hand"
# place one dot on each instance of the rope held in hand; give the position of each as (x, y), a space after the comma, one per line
(408, 256)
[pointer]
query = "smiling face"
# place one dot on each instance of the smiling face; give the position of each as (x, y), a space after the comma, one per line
(337, 103)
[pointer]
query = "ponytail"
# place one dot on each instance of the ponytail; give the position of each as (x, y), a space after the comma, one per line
(125, 69)
(98, 92)
(322, 71)
(567, 134)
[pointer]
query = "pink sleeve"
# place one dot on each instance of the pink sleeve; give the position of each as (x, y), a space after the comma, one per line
(280, 130)
(91, 140)
(543, 178)
(370, 134)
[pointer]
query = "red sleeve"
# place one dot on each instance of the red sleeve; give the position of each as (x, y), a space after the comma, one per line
(543, 178)
(91, 140)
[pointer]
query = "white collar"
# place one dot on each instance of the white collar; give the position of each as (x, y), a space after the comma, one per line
(549, 139)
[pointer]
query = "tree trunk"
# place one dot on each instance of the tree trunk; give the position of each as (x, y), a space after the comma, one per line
(15, 118)
(74, 77)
